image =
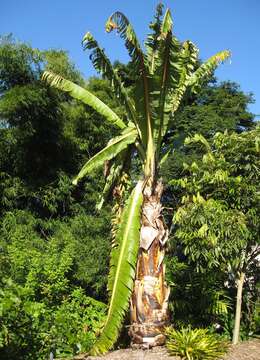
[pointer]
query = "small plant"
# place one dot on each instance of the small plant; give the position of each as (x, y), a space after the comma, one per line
(194, 344)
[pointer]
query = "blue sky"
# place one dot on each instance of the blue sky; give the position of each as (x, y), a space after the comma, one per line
(211, 25)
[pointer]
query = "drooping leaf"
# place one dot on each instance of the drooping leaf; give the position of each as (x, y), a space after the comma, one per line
(167, 23)
(206, 69)
(188, 60)
(122, 271)
(121, 163)
(118, 21)
(83, 95)
(103, 65)
(114, 147)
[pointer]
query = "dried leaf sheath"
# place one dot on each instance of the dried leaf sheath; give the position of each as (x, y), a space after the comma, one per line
(149, 301)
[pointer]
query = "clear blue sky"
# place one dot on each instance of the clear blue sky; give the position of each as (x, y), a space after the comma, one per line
(211, 25)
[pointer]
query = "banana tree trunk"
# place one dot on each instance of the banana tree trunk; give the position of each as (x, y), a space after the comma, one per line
(149, 302)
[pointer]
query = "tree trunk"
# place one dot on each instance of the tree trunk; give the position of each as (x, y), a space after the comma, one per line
(149, 302)
(240, 283)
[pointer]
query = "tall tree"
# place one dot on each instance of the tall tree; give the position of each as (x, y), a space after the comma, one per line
(217, 222)
(164, 74)
(44, 139)
(218, 107)
(44, 134)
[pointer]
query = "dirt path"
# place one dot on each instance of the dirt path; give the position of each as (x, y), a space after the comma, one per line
(247, 350)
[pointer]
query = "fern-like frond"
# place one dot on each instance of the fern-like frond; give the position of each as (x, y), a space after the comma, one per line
(79, 93)
(122, 272)
(114, 147)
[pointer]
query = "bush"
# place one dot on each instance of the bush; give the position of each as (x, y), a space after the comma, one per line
(30, 330)
(194, 344)
(43, 306)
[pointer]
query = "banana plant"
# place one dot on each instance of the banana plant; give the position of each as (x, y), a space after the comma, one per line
(165, 71)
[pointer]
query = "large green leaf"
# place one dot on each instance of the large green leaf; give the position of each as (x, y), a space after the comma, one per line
(199, 77)
(84, 95)
(118, 21)
(187, 62)
(167, 23)
(152, 41)
(122, 271)
(114, 147)
(103, 65)
(167, 73)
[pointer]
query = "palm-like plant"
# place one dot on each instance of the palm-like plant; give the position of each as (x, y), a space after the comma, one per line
(163, 75)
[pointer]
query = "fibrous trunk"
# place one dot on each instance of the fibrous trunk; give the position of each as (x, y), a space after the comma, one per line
(149, 302)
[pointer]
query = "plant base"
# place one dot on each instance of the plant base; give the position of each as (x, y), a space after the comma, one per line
(149, 302)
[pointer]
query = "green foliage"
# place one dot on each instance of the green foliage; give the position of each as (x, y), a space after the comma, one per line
(91, 237)
(76, 323)
(218, 107)
(209, 232)
(198, 299)
(64, 329)
(42, 266)
(215, 225)
(84, 95)
(53, 247)
(194, 344)
(227, 184)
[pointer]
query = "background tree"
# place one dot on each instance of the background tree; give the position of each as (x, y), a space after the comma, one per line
(163, 74)
(216, 224)
(42, 214)
(217, 107)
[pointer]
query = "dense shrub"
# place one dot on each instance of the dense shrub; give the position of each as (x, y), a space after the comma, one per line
(42, 306)
(32, 329)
